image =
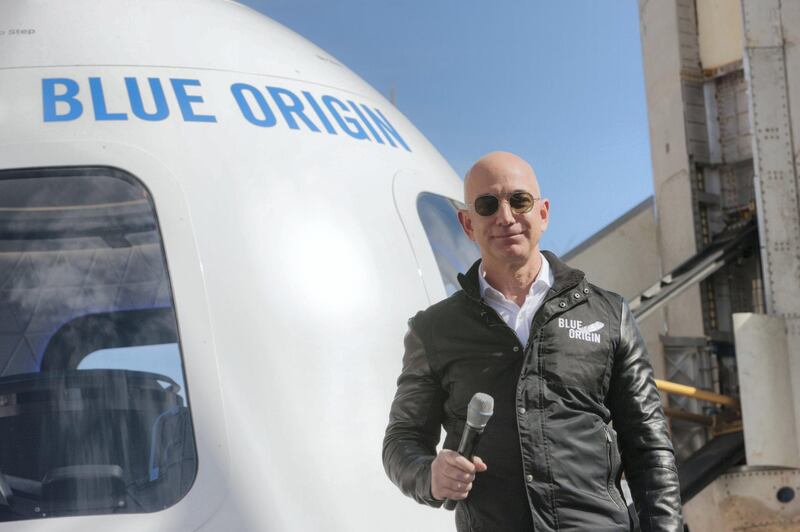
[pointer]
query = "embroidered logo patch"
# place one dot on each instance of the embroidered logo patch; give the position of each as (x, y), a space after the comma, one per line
(579, 331)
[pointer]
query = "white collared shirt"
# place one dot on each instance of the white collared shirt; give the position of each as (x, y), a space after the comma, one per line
(518, 318)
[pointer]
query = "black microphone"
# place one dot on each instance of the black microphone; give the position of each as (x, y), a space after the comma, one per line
(479, 410)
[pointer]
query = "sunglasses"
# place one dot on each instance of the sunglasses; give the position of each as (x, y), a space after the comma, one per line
(520, 203)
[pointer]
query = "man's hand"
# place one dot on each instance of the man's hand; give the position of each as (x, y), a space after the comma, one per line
(452, 475)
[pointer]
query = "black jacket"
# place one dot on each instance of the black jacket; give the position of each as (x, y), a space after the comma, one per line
(553, 460)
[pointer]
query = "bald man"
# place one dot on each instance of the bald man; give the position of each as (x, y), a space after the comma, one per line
(562, 358)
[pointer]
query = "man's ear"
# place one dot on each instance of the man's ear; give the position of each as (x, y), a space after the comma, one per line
(544, 213)
(466, 223)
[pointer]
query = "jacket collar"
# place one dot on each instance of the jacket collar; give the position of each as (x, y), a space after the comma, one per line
(564, 277)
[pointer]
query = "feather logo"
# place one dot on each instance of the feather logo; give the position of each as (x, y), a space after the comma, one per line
(592, 327)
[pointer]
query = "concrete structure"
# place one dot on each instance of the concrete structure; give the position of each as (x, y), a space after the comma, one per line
(722, 79)
(704, 110)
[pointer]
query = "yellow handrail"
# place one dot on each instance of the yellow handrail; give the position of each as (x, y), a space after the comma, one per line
(697, 393)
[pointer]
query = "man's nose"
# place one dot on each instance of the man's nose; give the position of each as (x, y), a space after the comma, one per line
(504, 214)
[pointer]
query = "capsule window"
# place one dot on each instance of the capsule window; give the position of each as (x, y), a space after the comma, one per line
(94, 410)
(454, 251)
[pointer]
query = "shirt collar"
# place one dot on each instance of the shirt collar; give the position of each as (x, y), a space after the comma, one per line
(543, 279)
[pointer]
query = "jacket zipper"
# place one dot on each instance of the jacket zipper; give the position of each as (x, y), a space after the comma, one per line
(516, 417)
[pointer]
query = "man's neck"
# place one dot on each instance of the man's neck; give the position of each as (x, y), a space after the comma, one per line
(513, 280)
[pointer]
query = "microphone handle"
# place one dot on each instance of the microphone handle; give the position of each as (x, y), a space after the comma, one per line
(469, 440)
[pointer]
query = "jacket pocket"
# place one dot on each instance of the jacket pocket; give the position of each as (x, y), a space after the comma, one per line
(613, 468)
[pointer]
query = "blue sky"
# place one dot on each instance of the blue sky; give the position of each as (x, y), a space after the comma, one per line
(558, 82)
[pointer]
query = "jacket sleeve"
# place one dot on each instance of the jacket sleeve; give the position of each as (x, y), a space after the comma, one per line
(414, 428)
(643, 435)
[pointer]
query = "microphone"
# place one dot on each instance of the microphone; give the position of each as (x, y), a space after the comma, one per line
(479, 410)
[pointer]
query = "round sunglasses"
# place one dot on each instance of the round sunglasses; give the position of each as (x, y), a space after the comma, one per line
(487, 204)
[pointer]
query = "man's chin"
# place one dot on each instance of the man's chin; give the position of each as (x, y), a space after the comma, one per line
(513, 253)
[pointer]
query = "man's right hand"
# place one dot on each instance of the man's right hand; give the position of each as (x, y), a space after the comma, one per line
(452, 475)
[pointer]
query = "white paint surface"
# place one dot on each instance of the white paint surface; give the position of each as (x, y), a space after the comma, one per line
(767, 397)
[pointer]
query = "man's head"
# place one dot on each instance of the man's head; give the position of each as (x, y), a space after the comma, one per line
(505, 238)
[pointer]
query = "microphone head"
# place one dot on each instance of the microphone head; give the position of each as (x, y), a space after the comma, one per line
(479, 410)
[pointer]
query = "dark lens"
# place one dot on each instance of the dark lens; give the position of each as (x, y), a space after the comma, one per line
(486, 205)
(521, 202)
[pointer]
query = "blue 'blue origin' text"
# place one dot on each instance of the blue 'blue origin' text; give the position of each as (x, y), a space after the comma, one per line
(62, 101)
